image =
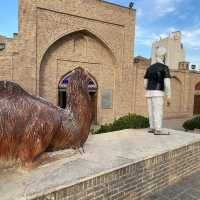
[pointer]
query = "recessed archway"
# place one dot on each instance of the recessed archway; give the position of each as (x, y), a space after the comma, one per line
(92, 89)
(176, 99)
(77, 49)
(196, 110)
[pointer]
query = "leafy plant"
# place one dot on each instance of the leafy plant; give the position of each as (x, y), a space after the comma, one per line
(192, 124)
(129, 121)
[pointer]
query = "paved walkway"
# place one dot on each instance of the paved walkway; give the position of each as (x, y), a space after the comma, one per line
(186, 189)
(175, 123)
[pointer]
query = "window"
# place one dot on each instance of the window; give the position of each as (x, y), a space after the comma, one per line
(193, 67)
(2, 46)
(181, 46)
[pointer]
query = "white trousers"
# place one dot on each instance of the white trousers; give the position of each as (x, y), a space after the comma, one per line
(155, 108)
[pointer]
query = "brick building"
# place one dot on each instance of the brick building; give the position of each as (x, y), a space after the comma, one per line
(57, 36)
(175, 49)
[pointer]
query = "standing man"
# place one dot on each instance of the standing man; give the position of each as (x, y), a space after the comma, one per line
(157, 85)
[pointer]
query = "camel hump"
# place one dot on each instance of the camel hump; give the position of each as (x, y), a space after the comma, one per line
(11, 88)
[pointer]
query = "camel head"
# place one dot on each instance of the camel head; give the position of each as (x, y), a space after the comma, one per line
(78, 80)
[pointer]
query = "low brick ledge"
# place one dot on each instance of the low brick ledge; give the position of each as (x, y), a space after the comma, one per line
(134, 180)
(128, 164)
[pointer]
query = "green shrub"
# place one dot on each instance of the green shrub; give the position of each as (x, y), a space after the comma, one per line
(192, 124)
(129, 121)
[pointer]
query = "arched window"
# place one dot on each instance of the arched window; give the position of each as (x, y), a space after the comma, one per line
(92, 84)
(197, 87)
(2, 46)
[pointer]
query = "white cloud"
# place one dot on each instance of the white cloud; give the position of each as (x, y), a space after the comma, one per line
(145, 37)
(167, 31)
(165, 3)
(158, 8)
(166, 11)
(191, 41)
(158, 18)
(191, 38)
(164, 7)
(139, 12)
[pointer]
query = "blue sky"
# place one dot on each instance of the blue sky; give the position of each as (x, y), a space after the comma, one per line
(155, 18)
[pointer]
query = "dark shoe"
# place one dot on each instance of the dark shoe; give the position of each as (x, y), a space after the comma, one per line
(151, 130)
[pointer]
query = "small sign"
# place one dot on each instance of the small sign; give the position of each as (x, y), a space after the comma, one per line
(107, 99)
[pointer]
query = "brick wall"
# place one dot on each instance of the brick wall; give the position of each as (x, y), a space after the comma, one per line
(135, 181)
(6, 68)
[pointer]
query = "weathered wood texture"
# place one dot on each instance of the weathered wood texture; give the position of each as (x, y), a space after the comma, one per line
(30, 125)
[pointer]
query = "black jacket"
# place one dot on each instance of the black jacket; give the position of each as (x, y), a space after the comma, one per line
(156, 74)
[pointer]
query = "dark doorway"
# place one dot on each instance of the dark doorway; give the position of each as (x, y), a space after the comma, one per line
(196, 104)
(62, 98)
(93, 95)
(197, 99)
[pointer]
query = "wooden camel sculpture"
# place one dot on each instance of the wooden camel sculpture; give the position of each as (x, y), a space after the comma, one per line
(29, 125)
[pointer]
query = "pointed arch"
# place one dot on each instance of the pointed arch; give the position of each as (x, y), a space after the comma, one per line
(177, 79)
(59, 41)
(177, 95)
(197, 86)
(65, 79)
(106, 44)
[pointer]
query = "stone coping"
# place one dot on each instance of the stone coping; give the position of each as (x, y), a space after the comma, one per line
(104, 153)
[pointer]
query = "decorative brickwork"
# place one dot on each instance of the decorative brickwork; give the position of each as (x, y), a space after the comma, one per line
(135, 181)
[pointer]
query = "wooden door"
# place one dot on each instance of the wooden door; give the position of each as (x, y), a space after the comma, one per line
(196, 104)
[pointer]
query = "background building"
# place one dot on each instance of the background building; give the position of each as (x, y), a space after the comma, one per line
(57, 36)
(175, 50)
(194, 67)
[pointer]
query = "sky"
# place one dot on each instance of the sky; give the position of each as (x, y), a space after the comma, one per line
(155, 19)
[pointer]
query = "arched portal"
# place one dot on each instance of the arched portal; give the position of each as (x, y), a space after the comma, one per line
(78, 49)
(176, 99)
(92, 88)
(197, 99)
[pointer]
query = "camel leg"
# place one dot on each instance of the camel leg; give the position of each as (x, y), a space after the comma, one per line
(45, 158)
(79, 150)
(83, 149)
(27, 166)
(38, 161)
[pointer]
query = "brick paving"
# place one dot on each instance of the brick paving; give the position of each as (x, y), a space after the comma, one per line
(186, 189)
(174, 123)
